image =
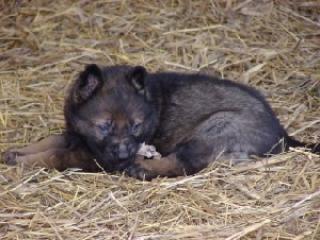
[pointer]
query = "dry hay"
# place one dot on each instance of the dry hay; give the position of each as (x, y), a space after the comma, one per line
(273, 45)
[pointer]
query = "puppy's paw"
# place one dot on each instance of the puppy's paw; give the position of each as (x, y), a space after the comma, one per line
(10, 157)
(137, 171)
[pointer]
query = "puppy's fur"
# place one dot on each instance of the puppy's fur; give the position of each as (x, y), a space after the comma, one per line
(192, 119)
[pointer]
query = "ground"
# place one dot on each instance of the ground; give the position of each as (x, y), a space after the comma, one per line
(272, 45)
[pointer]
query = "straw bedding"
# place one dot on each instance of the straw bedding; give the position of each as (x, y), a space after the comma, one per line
(273, 45)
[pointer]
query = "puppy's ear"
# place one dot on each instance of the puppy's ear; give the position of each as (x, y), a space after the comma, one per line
(89, 81)
(137, 78)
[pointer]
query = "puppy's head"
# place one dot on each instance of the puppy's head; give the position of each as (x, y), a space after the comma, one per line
(110, 108)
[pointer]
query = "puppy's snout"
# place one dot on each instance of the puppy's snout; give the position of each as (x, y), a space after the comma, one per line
(123, 151)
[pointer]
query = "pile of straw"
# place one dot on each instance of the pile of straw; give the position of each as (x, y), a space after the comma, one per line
(273, 45)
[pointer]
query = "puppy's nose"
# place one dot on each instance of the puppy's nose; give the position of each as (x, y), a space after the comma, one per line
(123, 152)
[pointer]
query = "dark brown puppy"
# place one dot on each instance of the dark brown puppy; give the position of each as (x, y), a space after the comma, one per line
(192, 120)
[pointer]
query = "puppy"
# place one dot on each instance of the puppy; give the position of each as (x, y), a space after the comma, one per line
(191, 119)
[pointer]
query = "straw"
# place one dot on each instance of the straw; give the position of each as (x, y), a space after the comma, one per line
(271, 45)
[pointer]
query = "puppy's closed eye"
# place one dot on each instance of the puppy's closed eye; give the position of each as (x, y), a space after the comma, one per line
(136, 129)
(105, 128)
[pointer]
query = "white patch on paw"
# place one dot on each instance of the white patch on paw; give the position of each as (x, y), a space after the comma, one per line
(148, 151)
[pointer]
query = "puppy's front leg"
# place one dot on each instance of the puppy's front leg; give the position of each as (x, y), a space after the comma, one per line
(59, 159)
(147, 169)
(52, 152)
(51, 142)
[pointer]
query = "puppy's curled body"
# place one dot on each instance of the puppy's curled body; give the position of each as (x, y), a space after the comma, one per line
(191, 119)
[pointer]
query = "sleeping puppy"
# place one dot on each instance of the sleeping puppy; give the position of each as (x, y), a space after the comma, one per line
(191, 119)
